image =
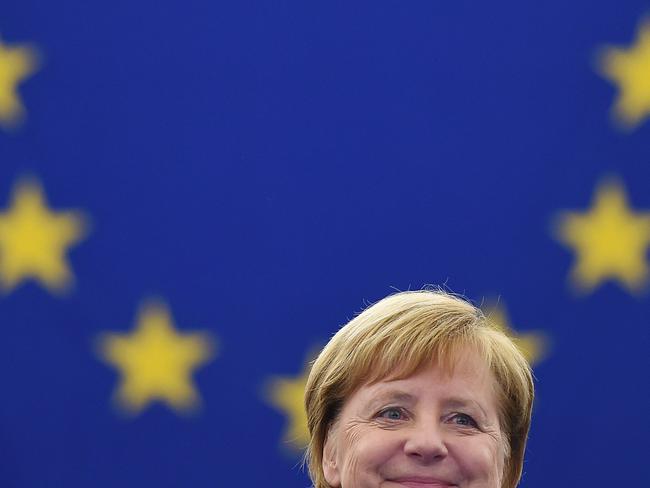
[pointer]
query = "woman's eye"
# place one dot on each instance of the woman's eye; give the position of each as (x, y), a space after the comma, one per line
(392, 414)
(464, 419)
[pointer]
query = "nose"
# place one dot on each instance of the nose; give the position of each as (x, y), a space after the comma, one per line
(426, 442)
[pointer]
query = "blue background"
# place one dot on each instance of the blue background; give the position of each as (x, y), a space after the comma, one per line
(270, 167)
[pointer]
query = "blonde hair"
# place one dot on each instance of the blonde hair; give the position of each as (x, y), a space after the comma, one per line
(398, 336)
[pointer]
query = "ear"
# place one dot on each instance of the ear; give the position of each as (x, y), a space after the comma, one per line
(330, 465)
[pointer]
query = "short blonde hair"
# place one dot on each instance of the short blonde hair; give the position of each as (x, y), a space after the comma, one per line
(398, 336)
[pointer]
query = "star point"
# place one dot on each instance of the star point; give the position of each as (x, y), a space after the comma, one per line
(629, 69)
(534, 345)
(610, 240)
(156, 362)
(287, 395)
(16, 64)
(34, 240)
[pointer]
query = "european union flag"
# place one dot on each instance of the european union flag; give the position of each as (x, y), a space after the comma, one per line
(195, 195)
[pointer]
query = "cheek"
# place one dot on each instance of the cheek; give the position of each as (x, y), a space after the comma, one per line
(480, 461)
(365, 455)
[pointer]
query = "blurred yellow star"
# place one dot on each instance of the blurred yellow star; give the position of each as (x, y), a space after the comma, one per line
(16, 64)
(156, 362)
(287, 394)
(610, 240)
(630, 70)
(34, 240)
(534, 345)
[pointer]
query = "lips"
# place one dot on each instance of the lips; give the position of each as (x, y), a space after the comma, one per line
(420, 482)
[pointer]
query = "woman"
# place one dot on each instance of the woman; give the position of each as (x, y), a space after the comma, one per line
(418, 391)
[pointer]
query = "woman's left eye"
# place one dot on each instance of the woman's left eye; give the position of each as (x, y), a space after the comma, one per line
(464, 419)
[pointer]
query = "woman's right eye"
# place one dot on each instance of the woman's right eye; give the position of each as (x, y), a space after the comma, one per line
(392, 413)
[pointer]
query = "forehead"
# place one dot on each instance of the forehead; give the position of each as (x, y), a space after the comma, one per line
(469, 379)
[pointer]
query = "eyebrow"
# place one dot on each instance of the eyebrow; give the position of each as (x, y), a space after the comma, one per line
(456, 402)
(391, 395)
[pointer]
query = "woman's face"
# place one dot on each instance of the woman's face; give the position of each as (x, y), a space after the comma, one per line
(431, 430)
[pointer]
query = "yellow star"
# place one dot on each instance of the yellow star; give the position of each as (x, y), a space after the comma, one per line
(287, 394)
(33, 240)
(534, 345)
(630, 70)
(610, 240)
(16, 64)
(156, 362)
